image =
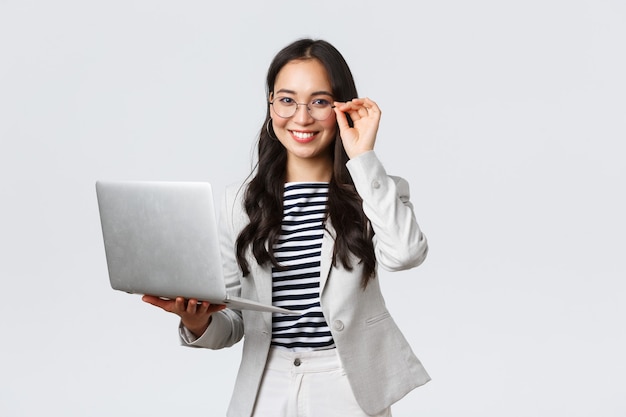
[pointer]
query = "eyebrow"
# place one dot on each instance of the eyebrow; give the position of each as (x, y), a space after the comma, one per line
(315, 93)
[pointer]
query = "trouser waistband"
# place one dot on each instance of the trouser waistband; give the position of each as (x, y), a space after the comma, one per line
(303, 362)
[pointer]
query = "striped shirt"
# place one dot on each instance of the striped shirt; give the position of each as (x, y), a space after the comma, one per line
(296, 286)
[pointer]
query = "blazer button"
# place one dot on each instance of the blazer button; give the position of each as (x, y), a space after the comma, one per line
(338, 325)
(375, 184)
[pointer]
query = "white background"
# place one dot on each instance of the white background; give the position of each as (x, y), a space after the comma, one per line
(507, 117)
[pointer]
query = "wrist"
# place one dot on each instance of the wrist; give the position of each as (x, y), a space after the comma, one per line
(198, 329)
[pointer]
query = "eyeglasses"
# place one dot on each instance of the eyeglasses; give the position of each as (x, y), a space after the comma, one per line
(318, 108)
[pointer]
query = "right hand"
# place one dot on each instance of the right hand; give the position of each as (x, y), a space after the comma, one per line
(365, 115)
(195, 316)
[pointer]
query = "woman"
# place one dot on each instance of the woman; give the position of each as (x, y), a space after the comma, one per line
(308, 232)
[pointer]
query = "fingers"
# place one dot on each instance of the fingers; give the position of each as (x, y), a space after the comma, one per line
(181, 306)
(195, 307)
(202, 307)
(360, 135)
(359, 108)
(158, 301)
(214, 308)
(342, 119)
(191, 307)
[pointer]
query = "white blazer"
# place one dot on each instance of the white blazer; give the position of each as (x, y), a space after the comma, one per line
(378, 361)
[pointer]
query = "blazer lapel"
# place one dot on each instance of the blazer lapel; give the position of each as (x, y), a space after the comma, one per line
(328, 244)
(263, 283)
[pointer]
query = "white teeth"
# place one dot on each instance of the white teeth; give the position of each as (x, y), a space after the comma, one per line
(302, 135)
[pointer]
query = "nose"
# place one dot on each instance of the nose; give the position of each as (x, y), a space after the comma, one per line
(302, 115)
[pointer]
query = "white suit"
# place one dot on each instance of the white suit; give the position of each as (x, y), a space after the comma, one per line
(378, 361)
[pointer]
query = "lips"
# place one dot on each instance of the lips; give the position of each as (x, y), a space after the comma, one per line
(303, 137)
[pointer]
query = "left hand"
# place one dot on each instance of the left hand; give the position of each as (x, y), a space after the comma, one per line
(365, 116)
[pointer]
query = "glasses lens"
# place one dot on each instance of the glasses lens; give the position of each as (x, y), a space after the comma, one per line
(320, 109)
(286, 107)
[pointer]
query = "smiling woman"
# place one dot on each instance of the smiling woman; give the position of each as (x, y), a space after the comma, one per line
(307, 139)
(307, 233)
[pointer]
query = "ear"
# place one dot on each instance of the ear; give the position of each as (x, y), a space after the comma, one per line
(270, 96)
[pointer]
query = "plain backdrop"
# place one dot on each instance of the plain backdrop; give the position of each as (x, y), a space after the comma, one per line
(508, 118)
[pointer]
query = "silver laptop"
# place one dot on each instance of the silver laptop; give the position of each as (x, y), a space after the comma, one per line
(161, 239)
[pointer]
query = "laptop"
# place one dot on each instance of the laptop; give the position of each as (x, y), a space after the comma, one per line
(161, 239)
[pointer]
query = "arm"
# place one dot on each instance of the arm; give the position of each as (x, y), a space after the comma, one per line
(398, 240)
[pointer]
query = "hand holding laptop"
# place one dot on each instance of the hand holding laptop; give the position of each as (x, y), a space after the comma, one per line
(195, 315)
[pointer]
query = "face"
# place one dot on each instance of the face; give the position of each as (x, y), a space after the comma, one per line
(306, 139)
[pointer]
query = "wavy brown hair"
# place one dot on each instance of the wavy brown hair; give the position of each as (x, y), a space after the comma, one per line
(263, 199)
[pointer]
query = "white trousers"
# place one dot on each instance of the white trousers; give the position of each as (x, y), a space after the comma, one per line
(306, 384)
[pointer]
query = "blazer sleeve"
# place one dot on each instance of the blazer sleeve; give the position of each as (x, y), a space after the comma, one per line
(398, 240)
(226, 326)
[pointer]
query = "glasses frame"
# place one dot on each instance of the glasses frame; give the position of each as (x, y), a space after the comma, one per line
(308, 110)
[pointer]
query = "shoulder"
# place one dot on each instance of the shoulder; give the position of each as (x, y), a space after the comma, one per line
(232, 205)
(235, 191)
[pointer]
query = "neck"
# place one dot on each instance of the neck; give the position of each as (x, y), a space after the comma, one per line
(309, 170)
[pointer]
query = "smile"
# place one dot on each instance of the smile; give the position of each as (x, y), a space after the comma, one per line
(302, 137)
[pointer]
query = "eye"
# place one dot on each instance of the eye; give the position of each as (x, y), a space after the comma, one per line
(287, 101)
(320, 102)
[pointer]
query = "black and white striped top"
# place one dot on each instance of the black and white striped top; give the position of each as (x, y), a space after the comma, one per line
(296, 286)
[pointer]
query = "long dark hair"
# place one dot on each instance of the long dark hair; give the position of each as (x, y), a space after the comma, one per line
(263, 200)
